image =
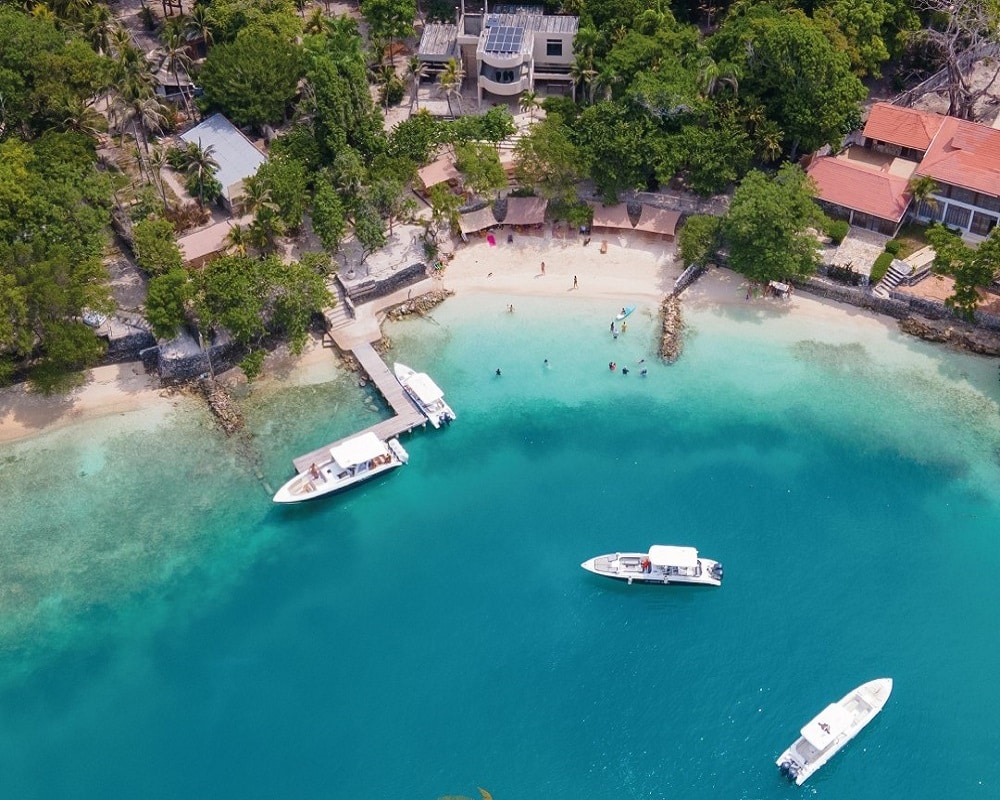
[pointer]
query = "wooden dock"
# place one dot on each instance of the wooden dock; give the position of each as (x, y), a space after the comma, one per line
(406, 415)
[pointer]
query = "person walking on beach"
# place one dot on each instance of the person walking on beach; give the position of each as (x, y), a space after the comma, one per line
(575, 284)
(543, 268)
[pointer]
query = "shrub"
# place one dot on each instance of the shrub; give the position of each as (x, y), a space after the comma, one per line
(893, 246)
(155, 249)
(837, 230)
(392, 92)
(844, 274)
(881, 266)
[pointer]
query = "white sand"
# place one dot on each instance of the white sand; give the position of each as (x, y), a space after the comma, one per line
(636, 268)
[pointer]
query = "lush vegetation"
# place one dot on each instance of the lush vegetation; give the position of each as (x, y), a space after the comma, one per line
(710, 98)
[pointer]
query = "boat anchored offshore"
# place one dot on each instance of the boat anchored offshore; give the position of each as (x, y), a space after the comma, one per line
(832, 728)
(352, 461)
(662, 564)
(426, 394)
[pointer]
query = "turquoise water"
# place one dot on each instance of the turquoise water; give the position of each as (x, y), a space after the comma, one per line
(167, 632)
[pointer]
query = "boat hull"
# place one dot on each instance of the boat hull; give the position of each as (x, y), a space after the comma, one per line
(330, 477)
(437, 411)
(628, 567)
(858, 708)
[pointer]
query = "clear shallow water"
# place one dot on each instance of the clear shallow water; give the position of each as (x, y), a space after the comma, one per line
(167, 632)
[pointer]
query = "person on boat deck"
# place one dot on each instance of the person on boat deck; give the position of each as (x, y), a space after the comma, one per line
(313, 470)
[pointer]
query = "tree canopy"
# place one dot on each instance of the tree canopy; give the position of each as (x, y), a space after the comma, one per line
(766, 228)
(972, 267)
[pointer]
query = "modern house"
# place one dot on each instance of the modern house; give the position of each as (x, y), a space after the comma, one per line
(507, 50)
(236, 155)
(867, 183)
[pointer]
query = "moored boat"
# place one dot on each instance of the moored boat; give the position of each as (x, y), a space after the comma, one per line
(352, 461)
(838, 723)
(426, 394)
(662, 564)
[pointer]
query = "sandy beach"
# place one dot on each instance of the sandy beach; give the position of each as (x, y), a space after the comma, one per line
(635, 268)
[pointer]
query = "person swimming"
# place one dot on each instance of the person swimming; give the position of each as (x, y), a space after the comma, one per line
(498, 372)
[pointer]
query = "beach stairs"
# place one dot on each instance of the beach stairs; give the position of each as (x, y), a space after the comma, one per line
(898, 271)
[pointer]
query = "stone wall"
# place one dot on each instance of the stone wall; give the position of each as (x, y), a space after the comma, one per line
(366, 290)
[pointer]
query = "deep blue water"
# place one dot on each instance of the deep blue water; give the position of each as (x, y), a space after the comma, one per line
(169, 633)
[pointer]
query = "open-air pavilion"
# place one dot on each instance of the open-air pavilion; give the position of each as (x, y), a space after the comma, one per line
(658, 220)
(441, 171)
(525, 211)
(475, 221)
(611, 217)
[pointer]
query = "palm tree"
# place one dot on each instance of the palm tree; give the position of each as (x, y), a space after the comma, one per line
(144, 113)
(237, 240)
(713, 75)
(201, 164)
(769, 136)
(450, 83)
(176, 58)
(256, 197)
(316, 23)
(415, 71)
(582, 72)
(529, 102)
(82, 117)
(157, 161)
(385, 75)
(921, 189)
(199, 29)
(97, 26)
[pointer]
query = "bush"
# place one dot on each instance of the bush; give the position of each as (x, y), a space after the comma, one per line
(837, 230)
(392, 93)
(893, 246)
(154, 246)
(881, 266)
(844, 274)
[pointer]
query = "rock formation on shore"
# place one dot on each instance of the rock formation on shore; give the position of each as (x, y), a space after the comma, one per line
(964, 337)
(672, 339)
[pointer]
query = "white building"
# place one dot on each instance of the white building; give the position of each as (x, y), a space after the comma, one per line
(506, 51)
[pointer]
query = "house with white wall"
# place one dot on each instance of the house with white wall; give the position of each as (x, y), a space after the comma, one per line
(505, 51)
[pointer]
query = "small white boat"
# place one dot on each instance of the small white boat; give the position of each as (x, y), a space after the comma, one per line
(426, 394)
(662, 564)
(350, 462)
(832, 728)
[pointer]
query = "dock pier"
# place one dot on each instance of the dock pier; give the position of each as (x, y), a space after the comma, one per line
(354, 331)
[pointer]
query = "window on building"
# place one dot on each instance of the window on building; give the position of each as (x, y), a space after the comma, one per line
(963, 195)
(553, 47)
(989, 202)
(957, 216)
(982, 224)
(929, 210)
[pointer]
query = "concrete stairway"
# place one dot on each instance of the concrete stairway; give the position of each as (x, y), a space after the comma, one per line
(897, 272)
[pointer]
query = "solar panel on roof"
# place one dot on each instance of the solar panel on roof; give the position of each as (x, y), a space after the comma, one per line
(504, 39)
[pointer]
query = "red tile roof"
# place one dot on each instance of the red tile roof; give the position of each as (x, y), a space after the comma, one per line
(906, 127)
(965, 154)
(859, 187)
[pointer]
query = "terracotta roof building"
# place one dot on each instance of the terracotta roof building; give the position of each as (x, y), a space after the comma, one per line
(867, 184)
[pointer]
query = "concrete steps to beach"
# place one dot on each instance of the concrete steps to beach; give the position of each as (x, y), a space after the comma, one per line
(898, 271)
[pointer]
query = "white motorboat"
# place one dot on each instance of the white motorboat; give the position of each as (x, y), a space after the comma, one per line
(350, 462)
(662, 564)
(832, 728)
(426, 394)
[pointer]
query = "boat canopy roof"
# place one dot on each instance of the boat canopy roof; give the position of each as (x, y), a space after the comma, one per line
(669, 556)
(358, 450)
(826, 726)
(424, 388)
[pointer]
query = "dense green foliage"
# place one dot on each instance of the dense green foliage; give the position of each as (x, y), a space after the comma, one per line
(698, 239)
(971, 267)
(155, 246)
(766, 228)
(253, 79)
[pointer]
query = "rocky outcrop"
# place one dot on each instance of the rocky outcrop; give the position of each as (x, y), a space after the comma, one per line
(419, 305)
(964, 337)
(672, 338)
(222, 404)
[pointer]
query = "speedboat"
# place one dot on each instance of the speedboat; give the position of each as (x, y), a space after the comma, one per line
(838, 723)
(350, 462)
(662, 564)
(426, 394)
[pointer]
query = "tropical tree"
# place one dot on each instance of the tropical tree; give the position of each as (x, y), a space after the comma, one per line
(922, 189)
(480, 167)
(176, 59)
(529, 102)
(415, 72)
(971, 267)
(237, 240)
(200, 166)
(766, 229)
(450, 83)
(166, 300)
(698, 239)
(389, 20)
(547, 158)
(583, 74)
(713, 75)
(329, 217)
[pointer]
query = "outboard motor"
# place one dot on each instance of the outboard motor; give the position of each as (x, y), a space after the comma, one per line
(783, 769)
